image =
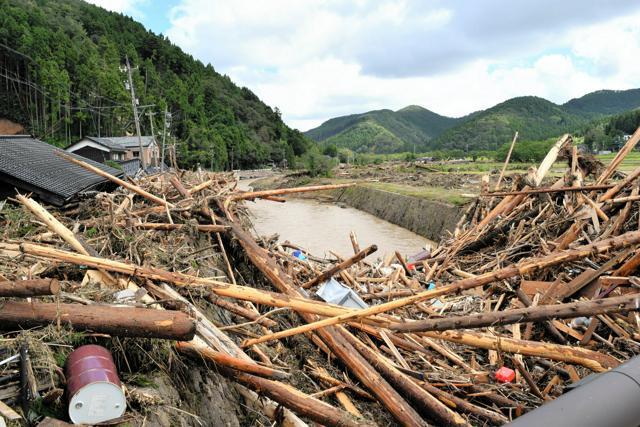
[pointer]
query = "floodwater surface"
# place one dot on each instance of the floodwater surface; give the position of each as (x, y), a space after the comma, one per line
(323, 227)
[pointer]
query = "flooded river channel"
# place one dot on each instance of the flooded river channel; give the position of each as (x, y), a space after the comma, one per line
(320, 227)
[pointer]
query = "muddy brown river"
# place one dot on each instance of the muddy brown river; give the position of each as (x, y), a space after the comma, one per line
(320, 227)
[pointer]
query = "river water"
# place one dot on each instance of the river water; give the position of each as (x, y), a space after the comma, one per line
(320, 227)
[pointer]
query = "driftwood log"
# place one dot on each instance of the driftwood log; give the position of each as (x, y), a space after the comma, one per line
(117, 321)
(29, 288)
(530, 265)
(524, 315)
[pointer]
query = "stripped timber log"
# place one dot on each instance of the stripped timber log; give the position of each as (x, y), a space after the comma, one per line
(207, 228)
(200, 187)
(116, 321)
(322, 375)
(524, 298)
(300, 303)
(281, 191)
(295, 400)
(240, 311)
(548, 190)
(458, 404)
(274, 411)
(623, 199)
(596, 361)
(155, 199)
(506, 161)
(538, 313)
(550, 158)
(229, 361)
(29, 288)
(177, 184)
(326, 275)
(620, 156)
(422, 399)
(210, 333)
(629, 266)
(521, 268)
(365, 373)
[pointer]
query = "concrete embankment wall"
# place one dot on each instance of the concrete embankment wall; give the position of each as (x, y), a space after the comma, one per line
(428, 218)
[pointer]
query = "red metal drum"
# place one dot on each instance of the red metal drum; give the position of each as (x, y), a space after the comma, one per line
(94, 389)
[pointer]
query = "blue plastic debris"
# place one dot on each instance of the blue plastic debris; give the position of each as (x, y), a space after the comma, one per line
(299, 255)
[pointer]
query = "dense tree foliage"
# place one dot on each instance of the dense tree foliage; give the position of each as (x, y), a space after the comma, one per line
(609, 134)
(526, 151)
(61, 72)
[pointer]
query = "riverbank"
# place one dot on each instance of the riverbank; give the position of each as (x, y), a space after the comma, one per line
(429, 212)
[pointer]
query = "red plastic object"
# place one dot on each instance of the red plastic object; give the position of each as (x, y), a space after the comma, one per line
(411, 266)
(505, 375)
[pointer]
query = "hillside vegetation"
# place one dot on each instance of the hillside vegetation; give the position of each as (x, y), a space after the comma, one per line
(536, 119)
(64, 60)
(405, 129)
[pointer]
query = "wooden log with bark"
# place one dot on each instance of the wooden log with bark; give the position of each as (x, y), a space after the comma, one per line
(326, 275)
(112, 320)
(596, 361)
(626, 303)
(29, 288)
(526, 266)
(330, 337)
(229, 361)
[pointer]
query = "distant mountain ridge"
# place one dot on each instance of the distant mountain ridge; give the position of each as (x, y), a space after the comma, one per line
(387, 131)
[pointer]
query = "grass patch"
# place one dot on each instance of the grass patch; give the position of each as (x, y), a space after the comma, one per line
(429, 193)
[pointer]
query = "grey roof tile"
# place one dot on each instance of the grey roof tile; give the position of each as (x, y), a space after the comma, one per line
(28, 160)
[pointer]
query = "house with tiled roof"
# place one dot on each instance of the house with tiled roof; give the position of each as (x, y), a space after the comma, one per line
(29, 165)
(117, 148)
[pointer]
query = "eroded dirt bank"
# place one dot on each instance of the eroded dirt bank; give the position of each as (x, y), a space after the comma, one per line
(428, 218)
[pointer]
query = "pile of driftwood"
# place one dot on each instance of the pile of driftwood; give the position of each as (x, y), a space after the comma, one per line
(537, 279)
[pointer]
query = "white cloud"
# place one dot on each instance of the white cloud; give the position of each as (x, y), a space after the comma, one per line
(316, 59)
(122, 6)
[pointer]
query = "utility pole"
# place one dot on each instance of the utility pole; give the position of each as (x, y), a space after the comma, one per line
(134, 105)
(153, 136)
(164, 135)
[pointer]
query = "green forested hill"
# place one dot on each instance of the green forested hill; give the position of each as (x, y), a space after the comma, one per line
(383, 131)
(605, 102)
(534, 118)
(60, 65)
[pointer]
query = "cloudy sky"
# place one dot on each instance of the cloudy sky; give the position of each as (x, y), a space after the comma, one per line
(317, 59)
